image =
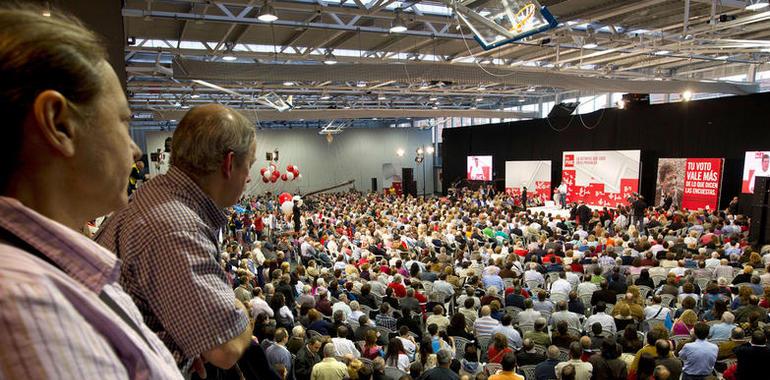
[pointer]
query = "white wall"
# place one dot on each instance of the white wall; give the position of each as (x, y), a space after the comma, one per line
(355, 154)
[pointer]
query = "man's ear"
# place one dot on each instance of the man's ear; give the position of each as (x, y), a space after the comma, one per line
(228, 164)
(55, 120)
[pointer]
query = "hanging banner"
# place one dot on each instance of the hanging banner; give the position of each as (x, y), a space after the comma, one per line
(534, 175)
(601, 178)
(689, 183)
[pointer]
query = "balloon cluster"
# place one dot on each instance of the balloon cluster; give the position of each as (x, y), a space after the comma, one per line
(272, 174)
(287, 202)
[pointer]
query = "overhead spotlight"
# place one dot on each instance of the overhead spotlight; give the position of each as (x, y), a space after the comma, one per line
(435, 107)
(479, 99)
(325, 97)
(433, 98)
(229, 58)
(381, 97)
(288, 83)
(662, 52)
(361, 84)
(131, 41)
(430, 149)
(621, 104)
(755, 5)
(590, 45)
(267, 13)
(424, 86)
(398, 25)
(400, 152)
(687, 95)
(482, 88)
(420, 151)
(531, 89)
(194, 96)
(329, 58)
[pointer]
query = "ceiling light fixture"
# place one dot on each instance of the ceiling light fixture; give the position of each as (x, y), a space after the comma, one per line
(229, 58)
(287, 83)
(400, 152)
(381, 97)
(325, 97)
(433, 98)
(687, 95)
(398, 25)
(755, 5)
(621, 104)
(194, 96)
(479, 99)
(329, 58)
(361, 84)
(267, 13)
(435, 107)
(47, 11)
(662, 52)
(430, 149)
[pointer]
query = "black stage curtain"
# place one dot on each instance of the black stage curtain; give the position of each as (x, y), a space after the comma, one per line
(723, 127)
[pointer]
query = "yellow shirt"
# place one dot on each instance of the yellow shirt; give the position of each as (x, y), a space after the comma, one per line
(329, 369)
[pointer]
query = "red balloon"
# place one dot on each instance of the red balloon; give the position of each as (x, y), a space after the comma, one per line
(273, 179)
(284, 197)
(284, 177)
(262, 171)
(290, 168)
(275, 175)
(296, 172)
(265, 180)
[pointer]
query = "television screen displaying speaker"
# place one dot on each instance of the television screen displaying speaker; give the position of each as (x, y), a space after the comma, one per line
(756, 164)
(479, 168)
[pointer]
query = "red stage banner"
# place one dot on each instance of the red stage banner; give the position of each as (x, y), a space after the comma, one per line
(702, 180)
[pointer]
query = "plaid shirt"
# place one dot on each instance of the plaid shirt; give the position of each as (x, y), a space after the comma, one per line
(167, 238)
(386, 321)
(52, 322)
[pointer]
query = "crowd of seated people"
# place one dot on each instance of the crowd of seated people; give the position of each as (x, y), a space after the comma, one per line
(358, 286)
(473, 275)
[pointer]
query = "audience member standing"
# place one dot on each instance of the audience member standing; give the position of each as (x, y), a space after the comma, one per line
(167, 239)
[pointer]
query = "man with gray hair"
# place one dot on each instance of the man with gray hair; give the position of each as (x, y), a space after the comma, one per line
(546, 369)
(167, 239)
(723, 329)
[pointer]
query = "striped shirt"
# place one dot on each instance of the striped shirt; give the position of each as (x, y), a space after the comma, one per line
(53, 324)
(485, 325)
(167, 238)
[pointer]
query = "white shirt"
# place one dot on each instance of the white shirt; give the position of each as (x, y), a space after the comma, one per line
(409, 347)
(652, 310)
(561, 286)
(259, 306)
(607, 322)
(586, 287)
(345, 346)
(344, 307)
(533, 275)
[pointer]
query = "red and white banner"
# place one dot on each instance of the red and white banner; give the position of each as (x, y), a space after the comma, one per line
(534, 175)
(756, 164)
(601, 178)
(690, 183)
(702, 180)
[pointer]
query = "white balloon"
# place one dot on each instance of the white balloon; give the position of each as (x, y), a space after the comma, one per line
(268, 173)
(299, 176)
(287, 207)
(289, 176)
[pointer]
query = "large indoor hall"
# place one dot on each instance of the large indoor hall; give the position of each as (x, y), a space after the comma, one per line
(385, 189)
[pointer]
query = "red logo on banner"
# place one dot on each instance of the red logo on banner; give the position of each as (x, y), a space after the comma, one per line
(569, 160)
